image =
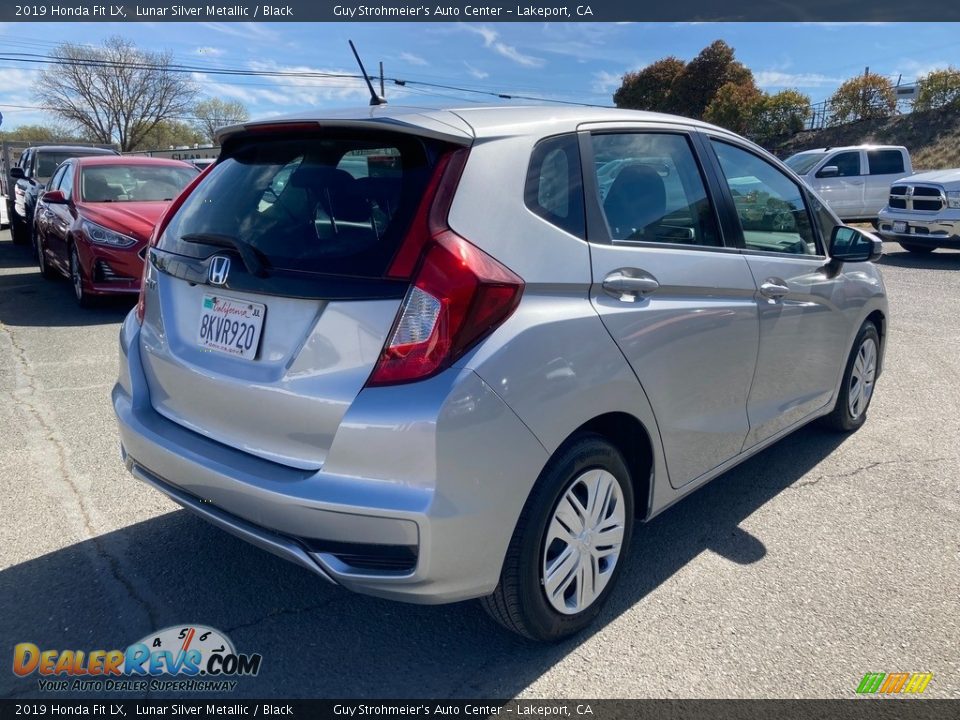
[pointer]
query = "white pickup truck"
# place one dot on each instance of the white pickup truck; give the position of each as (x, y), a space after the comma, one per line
(854, 180)
(923, 212)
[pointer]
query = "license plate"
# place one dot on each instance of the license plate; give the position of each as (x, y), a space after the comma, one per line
(230, 326)
(899, 226)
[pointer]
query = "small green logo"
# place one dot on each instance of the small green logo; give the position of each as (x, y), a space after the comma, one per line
(208, 303)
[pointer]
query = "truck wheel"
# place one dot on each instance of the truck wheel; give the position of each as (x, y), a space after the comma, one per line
(917, 249)
(18, 231)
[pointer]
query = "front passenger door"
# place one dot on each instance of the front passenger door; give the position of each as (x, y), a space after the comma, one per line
(803, 332)
(676, 300)
(844, 192)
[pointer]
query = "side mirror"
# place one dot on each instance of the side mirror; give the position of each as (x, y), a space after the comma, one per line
(850, 244)
(17, 173)
(55, 197)
(828, 171)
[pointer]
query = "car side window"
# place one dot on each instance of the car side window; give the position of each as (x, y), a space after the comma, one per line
(651, 189)
(66, 181)
(771, 207)
(554, 186)
(885, 162)
(54, 183)
(847, 164)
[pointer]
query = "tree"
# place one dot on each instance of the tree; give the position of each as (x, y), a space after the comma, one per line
(212, 114)
(783, 113)
(649, 88)
(696, 86)
(939, 89)
(114, 92)
(170, 133)
(40, 133)
(736, 107)
(864, 97)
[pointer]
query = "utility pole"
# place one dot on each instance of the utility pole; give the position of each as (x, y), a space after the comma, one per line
(863, 94)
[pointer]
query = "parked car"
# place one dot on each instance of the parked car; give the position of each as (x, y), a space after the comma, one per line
(203, 163)
(93, 222)
(854, 180)
(923, 213)
(30, 176)
(470, 378)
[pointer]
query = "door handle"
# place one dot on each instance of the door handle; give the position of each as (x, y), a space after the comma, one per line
(774, 288)
(629, 284)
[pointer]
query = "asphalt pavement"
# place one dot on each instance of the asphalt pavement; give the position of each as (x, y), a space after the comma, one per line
(820, 559)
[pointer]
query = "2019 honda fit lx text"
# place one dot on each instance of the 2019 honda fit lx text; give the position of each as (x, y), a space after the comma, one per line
(432, 355)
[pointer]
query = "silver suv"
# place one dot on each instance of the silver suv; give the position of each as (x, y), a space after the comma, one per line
(420, 353)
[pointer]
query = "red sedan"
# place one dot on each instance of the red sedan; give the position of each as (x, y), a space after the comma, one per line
(93, 222)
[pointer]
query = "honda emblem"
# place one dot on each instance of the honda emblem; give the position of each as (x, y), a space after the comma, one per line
(219, 269)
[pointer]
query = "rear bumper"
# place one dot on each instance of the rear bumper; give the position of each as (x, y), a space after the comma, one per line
(941, 230)
(411, 467)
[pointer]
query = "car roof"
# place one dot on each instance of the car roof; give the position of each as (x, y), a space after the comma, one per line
(468, 123)
(130, 160)
(74, 148)
(835, 148)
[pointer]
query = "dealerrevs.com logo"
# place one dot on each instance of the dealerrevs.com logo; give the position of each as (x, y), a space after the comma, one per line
(181, 658)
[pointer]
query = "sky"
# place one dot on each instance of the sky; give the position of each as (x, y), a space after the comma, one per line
(581, 62)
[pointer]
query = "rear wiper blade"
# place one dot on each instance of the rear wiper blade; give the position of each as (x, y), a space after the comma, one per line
(252, 258)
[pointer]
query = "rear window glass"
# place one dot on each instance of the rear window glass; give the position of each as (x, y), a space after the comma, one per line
(554, 188)
(48, 162)
(333, 205)
(133, 183)
(885, 162)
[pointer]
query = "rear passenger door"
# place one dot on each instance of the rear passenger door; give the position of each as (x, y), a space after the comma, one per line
(803, 331)
(884, 167)
(678, 302)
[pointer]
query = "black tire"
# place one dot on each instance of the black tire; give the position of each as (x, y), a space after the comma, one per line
(519, 602)
(18, 231)
(46, 272)
(917, 249)
(841, 418)
(83, 298)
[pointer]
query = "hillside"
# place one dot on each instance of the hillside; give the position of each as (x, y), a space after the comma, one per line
(933, 138)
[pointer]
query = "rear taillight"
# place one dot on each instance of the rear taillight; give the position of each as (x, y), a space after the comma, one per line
(158, 231)
(458, 293)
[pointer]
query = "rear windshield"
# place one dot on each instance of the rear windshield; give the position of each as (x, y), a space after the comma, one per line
(333, 205)
(133, 183)
(49, 161)
(802, 163)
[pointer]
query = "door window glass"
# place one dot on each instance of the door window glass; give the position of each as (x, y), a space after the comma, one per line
(651, 189)
(847, 164)
(54, 183)
(885, 162)
(66, 181)
(771, 207)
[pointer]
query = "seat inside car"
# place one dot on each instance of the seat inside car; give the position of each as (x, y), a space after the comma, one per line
(635, 204)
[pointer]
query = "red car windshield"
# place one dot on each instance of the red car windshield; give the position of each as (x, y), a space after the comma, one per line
(133, 183)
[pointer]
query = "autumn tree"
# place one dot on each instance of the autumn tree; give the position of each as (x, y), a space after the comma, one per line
(114, 92)
(171, 134)
(701, 79)
(781, 114)
(864, 97)
(735, 107)
(212, 114)
(939, 89)
(649, 88)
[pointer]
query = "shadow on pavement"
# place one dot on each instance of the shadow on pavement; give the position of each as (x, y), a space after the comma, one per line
(937, 260)
(26, 299)
(321, 641)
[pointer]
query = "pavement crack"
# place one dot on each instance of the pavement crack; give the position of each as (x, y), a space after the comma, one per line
(23, 398)
(279, 612)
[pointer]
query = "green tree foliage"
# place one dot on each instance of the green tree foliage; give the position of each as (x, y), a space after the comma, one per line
(939, 89)
(697, 85)
(863, 97)
(40, 133)
(212, 114)
(781, 114)
(649, 88)
(735, 107)
(115, 92)
(171, 134)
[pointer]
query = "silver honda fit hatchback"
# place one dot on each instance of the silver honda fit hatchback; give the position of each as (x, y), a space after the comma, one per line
(433, 355)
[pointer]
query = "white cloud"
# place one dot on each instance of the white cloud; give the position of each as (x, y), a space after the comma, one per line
(605, 82)
(412, 59)
(913, 69)
(13, 79)
(208, 51)
(778, 78)
(491, 40)
(245, 30)
(476, 72)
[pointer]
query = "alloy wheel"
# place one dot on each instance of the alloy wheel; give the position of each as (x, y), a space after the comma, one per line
(862, 378)
(76, 278)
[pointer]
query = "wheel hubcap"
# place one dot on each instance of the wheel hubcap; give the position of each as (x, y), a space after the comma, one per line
(583, 542)
(862, 378)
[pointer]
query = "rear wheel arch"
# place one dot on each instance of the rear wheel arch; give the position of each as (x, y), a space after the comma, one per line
(632, 439)
(879, 320)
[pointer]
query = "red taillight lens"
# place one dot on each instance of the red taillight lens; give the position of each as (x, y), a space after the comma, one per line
(458, 293)
(158, 231)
